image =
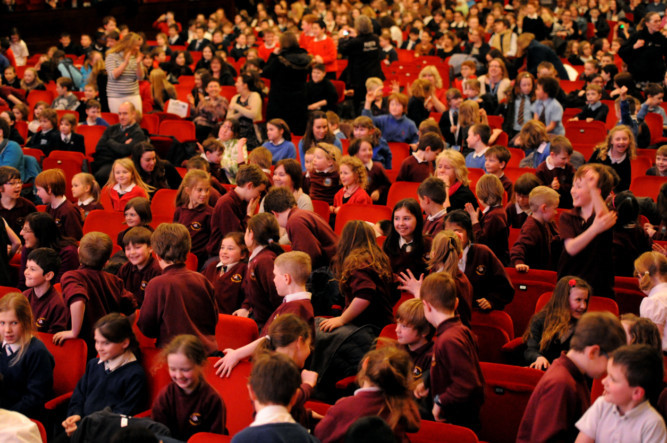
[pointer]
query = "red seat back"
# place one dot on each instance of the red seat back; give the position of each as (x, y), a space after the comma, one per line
(4, 290)
(435, 432)
(321, 208)
(493, 330)
(647, 186)
(157, 373)
(70, 361)
(400, 190)
(234, 332)
(369, 213)
(71, 163)
(595, 304)
(399, 152)
(91, 135)
(181, 130)
(109, 222)
(151, 122)
(234, 392)
(110, 118)
(585, 132)
(164, 203)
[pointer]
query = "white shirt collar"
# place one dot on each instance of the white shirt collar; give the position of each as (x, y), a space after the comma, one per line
(15, 347)
(550, 165)
(116, 187)
(368, 389)
(417, 157)
(86, 201)
(369, 165)
(464, 258)
(617, 161)
(437, 215)
(58, 203)
(657, 289)
(256, 251)
(116, 362)
(402, 242)
(272, 414)
(297, 296)
(481, 154)
(519, 210)
(227, 267)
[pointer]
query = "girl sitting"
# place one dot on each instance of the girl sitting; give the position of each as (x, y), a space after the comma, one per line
(405, 244)
(154, 171)
(385, 379)
(193, 211)
(363, 271)
(278, 135)
(551, 329)
(137, 213)
(617, 151)
(377, 182)
(227, 275)
(317, 131)
(13, 207)
(86, 191)
(235, 151)
(651, 270)
(69, 139)
(363, 127)
(630, 239)
(490, 228)
(25, 363)
(517, 110)
(353, 178)
(324, 181)
(161, 89)
(124, 184)
(188, 394)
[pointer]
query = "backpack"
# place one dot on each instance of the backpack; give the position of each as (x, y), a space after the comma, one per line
(67, 69)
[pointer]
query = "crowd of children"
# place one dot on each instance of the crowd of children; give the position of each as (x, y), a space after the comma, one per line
(255, 234)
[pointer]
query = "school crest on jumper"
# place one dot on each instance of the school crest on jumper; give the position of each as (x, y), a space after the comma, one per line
(58, 222)
(417, 372)
(143, 284)
(480, 270)
(195, 419)
(327, 181)
(195, 226)
(237, 278)
(40, 322)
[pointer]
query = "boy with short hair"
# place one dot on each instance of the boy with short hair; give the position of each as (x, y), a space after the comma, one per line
(93, 114)
(212, 152)
(65, 99)
(395, 126)
(50, 186)
(48, 308)
(449, 122)
(432, 194)
(233, 209)
(307, 231)
(334, 125)
(496, 158)
(556, 171)
(412, 333)
(468, 70)
(519, 210)
(457, 383)
(634, 375)
(654, 96)
(91, 293)
(594, 110)
(13, 207)
(272, 401)
(419, 166)
(141, 267)
(562, 394)
(660, 168)
(546, 108)
(179, 301)
(478, 141)
(532, 250)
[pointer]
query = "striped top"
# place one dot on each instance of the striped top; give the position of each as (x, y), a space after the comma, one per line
(128, 82)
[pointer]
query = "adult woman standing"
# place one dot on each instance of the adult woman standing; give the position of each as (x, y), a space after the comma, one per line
(645, 52)
(123, 64)
(288, 69)
(246, 107)
(363, 52)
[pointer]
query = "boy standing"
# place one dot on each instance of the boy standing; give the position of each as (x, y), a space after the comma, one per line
(65, 99)
(496, 158)
(457, 384)
(50, 186)
(179, 301)
(623, 413)
(546, 108)
(233, 209)
(419, 166)
(478, 141)
(556, 171)
(432, 194)
(141, 266)
(562, 394)
(533, 247)
(47, 304)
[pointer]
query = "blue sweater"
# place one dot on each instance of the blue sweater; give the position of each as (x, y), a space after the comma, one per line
(302, 154)
(124, 390)
(275, 433)
(394, 130)
(284, 150)
(29, 383)
(472, 162)
(382, 153)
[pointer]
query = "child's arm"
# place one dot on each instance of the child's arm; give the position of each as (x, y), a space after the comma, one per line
(583, 438)
(232, 357)
(409, 283)
(77, 309)
(357, 306)
(15, 242)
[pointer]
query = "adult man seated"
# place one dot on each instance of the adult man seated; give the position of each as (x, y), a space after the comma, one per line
(117, 142)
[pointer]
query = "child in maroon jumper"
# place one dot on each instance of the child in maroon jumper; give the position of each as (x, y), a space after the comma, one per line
(432, 194)
(405, 245)
(188, 395)
(496, 158)
(419, 166)
(490, 228)
(518, 209)
(325, 180)
(91, 293)
(385, 379)
(232, 210)
(137, 213)
(227, 275)
(193, 211)
(353, 178)
(13, 207)
(556, 171)
(457, 383)
(141, 267)
(179, 301)
(50, 186)
(51, 314)
(562, 394)
(533, 247)
(261, 297)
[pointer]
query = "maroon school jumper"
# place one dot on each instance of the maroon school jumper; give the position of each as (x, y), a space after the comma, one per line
(422, 358)
(68, 219)
(366, 284)
(560, 399)
(488, 277)
(301, 308)
(378, 181)
(324, 185)
(229, 215)
(69, 261)
(414, 171)
(367, 402)
(198, 222)
(186, 414)
(492, 231)
(136, 280)
(312, 235)
(508, 186)
(102, 294)
(565, 177)
(228, 287)
(533, 247)
(15, 217)
(84, 210)
(594, 263)
(49, 311)
(177, 302)
(432, 227)
(514, 219)
(456, 376)
(261, 297)
(464, 292)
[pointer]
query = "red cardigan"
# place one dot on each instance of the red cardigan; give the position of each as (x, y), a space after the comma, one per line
(118, 202)
(360, 197)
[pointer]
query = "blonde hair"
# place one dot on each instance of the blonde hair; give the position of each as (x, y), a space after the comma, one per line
(649, 265)
(430, 69)
(332, 153)
(89, 180)
(125, 43)
(446, 250)
(543, 195)
(136, 178)
(421, 88)
(458, 162)
(191, 179)
(17, 302)
(411, 312)
(604, 147)
(358, 169)
(373, 81)
(159, 84)
(469, 114)
(295, 263)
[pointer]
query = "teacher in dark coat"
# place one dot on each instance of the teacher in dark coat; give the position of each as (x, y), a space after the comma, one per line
(645, 52)
(537, 53)
(288, 68)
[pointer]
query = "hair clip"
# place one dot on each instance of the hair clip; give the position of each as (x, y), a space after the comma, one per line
(572, 283)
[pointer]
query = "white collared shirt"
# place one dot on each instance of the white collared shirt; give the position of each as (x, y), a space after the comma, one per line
(617, 161)
(118, 189)
(256, 251)
(519, 210)
(550, 165)
(402, 242)
(58, 203)
(272, 414)
(15, 347)
(86, 201)
(227, 267)
(437, 215)
(464, 258)
(417, 157)
(368, 389)
(297, 296)
(481, 154)
(116, 362)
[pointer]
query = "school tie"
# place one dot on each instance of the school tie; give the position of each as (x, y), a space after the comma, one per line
(455, 118)
(543, 117)
(522, 105)
(8, 350)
